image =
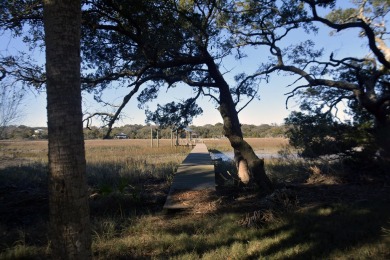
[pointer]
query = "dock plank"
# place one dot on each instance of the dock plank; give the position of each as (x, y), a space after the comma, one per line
(196, 173)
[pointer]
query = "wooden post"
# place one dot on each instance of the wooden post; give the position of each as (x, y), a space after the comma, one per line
(158, 141)
(171, 138)
(151, 137)
(177, 137)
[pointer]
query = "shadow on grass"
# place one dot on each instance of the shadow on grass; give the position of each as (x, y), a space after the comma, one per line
(332, 229)
(327, 231)
(332, 221)
(116, 192)
(24, 209)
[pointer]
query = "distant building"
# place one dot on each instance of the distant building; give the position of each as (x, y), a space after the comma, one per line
(39, 131)
(189, 137)
(190, 133)
(121, 136)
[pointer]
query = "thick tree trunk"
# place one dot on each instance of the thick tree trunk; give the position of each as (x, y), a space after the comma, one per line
(232, 130)
(242, 167)
(69, 211)
(378, 109)
(382, 136)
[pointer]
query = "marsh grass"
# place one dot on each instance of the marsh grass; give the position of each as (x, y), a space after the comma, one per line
(128, 184)
(125, 178)
(271, 145)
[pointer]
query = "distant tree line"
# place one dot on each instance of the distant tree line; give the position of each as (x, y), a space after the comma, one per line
(23, 132)
(138, 131)
(206, 131)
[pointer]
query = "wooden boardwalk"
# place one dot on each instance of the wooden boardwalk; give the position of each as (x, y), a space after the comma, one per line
(196, 173)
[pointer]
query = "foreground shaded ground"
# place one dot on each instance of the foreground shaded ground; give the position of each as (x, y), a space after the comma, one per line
(311, 215)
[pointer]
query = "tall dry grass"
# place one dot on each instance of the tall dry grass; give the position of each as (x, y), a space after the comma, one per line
(128, 184)
(119, 165)
(258, 144)
(125, 177)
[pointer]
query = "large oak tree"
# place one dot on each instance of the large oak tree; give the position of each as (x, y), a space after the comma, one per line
(172, 42)
(164, 43)
(168, 42)
(323, 83)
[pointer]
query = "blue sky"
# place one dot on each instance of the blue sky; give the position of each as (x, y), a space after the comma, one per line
(269, 109)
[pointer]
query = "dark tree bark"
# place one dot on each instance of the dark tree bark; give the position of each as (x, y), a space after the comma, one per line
(69, 211)
(232, 129)
(382, 135)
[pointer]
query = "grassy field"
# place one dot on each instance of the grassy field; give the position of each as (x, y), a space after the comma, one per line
(258, 144)
(316, 212)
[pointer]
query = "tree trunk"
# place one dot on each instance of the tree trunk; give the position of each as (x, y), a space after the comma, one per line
(242, 167)
(378, 109)
(382, 137)
(69, 211)
(232, 130)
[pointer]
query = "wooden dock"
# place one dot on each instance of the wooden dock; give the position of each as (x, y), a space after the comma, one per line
(195, 175)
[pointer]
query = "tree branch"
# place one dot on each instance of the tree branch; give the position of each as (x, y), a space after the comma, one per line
(358, 24)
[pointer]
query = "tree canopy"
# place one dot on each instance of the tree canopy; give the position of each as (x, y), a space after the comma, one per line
(143, 47)
(162, 43)
(322, 84)
(150, 46)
